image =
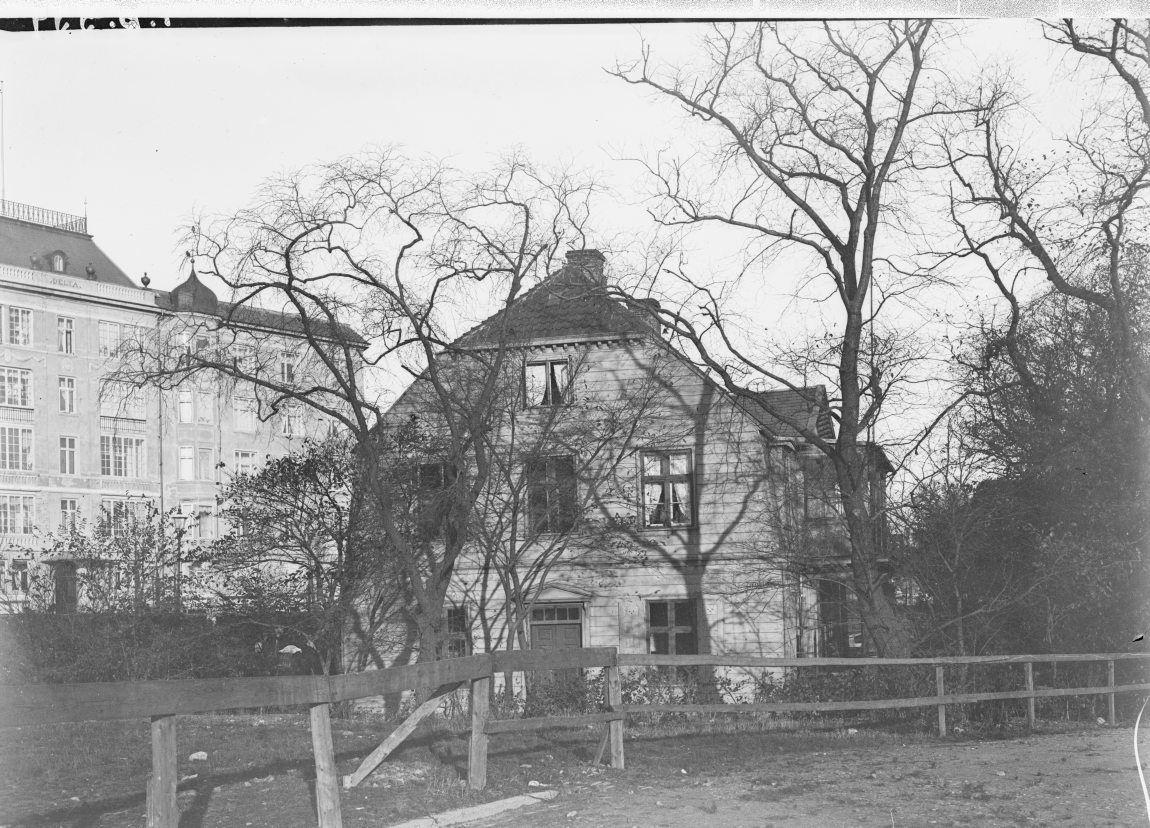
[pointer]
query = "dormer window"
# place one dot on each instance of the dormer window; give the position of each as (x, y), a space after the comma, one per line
(57, 262)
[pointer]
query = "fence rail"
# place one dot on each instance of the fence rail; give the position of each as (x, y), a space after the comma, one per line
(162, 701)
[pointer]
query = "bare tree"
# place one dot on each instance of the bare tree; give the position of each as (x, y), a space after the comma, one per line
(372, 263)
(1074, 216)
(818, 143)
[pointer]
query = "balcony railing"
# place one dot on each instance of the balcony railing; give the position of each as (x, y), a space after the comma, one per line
(42, 216)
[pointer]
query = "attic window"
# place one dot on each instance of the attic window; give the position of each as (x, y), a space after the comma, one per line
(546, 383)
(57, 262)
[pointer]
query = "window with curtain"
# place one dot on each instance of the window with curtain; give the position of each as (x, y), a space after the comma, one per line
(667, 488)
(546, 383)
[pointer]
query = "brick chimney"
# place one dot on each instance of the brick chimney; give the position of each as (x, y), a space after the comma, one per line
(589, 262)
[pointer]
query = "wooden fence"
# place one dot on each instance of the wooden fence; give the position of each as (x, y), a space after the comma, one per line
(162, 701)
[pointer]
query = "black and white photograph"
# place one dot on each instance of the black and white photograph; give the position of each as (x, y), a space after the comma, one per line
(591, 414)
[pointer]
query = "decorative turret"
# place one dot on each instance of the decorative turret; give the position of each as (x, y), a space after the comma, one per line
(193, 296)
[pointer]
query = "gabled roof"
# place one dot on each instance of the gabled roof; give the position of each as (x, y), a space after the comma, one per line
(570, 304)
(27, 244)
(780, 409)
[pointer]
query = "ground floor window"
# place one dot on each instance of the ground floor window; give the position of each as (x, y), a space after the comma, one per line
(672, 628)
(457, 642)
(840, 626)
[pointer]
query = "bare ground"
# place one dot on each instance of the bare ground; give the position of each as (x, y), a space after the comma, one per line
(259, 773)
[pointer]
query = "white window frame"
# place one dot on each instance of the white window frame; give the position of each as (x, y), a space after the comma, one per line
(18, 456)
(16, 384)
(18, 334)
(65, 335)
(67, 387)
(69, 512)
(247, 414)
(127, 452)
(186, 405)
(246, 462)
(67, 454)
(186, 463)
(205, 407)
(205, 470)
(25, 515)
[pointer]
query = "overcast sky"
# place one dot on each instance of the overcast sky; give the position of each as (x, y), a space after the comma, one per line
(148, 127)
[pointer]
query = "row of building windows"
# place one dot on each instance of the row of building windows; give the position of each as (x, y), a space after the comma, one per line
(17, 515)
(120, 456)
(672, 627)
(667, 487)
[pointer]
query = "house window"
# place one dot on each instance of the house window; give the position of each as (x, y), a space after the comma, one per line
(19, 326)
(16, 387)
(109, 338)
(839, 621)
(67, 395)
(16, 514)
(18, 576)
(457, 641)
(187, 464)
(65, 334)
(69, 513)
(556, 612)
(671, 628)
(205, 407)
(57, 262)
(121, 401)
(113, 335)
(204, 520)
(121, 456)
(287, 368)
(246, 415)
(205, 464)
(245, 462)
(118, 515)
(292, 422)
(551, 494)
(67, 455)
(15, 448)
(186, 405)
(546, 383)
(428, 483)
(667, 488)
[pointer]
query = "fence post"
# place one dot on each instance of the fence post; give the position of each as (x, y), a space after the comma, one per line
(1028, 668)
(614, 702)
(326, 778)
(162, 809)
(1110, 684)
(941, 688)
(477, 757)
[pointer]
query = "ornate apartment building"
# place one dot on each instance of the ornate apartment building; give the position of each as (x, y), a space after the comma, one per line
(73, 446)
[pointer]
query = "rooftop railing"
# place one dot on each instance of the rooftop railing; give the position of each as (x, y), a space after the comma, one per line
(42, 216)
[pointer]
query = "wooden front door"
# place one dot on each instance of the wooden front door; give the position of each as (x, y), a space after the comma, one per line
(557, 627)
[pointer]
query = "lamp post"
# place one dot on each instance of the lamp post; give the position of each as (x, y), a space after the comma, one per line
(179, 522)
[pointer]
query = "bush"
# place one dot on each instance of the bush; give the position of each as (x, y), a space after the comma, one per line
(81, 647)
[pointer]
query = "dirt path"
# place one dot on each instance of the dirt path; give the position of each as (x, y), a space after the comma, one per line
(1077, 779)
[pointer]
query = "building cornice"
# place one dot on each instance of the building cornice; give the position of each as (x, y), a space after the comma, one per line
(90, 291)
